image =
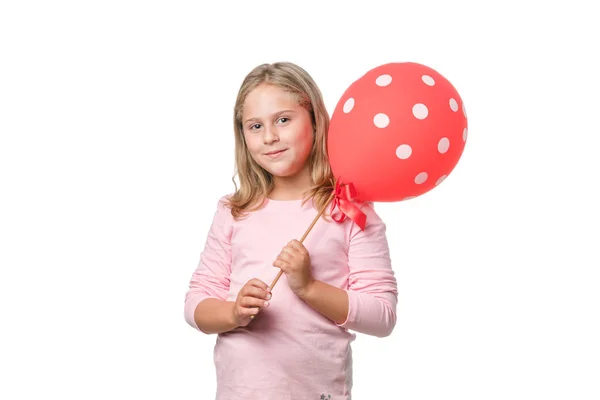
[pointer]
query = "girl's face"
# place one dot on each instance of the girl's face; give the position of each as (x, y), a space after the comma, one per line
(278, 132)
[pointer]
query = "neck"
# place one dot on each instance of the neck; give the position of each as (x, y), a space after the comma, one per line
(291, 187)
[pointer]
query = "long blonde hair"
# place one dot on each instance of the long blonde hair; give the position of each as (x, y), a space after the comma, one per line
(255, 182)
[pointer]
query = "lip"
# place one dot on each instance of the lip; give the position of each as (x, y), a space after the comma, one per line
(276, 153)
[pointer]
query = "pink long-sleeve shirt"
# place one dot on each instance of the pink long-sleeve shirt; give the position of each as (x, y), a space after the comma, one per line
(290, 351)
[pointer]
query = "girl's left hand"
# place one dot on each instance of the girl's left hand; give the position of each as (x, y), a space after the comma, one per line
(294, 261)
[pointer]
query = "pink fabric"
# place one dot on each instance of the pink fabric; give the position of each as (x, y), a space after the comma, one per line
(290, 351)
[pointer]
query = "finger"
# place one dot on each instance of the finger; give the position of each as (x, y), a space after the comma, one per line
(258, 283)
(296, 245)
(249, 302)
(253, 291)
(289, 247)
(249, 312)
(283, 265)
(287, 256)
(293, 251)
(255, 312)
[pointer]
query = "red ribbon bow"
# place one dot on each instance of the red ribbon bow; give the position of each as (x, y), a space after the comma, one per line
(343, 199)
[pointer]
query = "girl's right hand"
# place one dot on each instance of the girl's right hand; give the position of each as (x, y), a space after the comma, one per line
(253, 296)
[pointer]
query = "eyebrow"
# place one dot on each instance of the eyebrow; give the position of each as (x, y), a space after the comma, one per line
(276, 114)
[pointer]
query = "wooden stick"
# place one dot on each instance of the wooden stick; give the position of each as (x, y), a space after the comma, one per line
(307, 231)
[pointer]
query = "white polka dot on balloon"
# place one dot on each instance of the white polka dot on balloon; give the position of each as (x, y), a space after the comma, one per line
(420, 111)
(421, 178)
(403, 151)
(428, 80)
(464, 110)
(408, 198)
(453, 105)
(348, 105)
(440, 180)
(465, 135)
(443, 145)
(381, 120)
(383, 80)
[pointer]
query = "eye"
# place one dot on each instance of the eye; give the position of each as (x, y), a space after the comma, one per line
(254, 127)
(283, 120)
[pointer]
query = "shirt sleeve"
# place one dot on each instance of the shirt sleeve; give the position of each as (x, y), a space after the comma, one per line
(212, 275)
(372, 287)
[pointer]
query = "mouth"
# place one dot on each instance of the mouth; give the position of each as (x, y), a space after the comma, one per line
(275, 153)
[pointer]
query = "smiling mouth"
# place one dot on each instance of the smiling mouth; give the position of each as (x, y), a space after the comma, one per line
(275, 153)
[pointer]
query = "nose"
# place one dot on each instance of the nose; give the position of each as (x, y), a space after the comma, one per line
(270, 135)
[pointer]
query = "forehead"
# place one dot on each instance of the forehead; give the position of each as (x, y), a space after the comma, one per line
(267, 99)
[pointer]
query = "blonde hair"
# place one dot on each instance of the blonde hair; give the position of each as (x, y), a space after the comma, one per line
(255, 182)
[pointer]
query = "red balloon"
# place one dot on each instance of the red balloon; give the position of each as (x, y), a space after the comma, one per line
(397, 132)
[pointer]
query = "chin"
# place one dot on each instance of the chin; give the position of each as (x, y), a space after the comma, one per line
(281, 168)
(280, 172)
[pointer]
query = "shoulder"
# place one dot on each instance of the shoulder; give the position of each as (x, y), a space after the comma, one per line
(229, 204)
(223, 207)
(222, 222)
(373, 217)
(223, 200)
(374, 224)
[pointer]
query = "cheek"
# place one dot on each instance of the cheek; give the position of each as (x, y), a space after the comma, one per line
(252, 145)
(306, 142)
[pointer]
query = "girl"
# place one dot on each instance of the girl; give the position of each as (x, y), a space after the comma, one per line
(291, 341)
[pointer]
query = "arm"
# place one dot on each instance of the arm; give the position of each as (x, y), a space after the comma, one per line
(294, 261)
(215, 316)
(205, 307)
(372, 288)
(368, 305)
(330, 301)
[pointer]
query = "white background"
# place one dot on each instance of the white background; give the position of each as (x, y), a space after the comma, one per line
(116, 142)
